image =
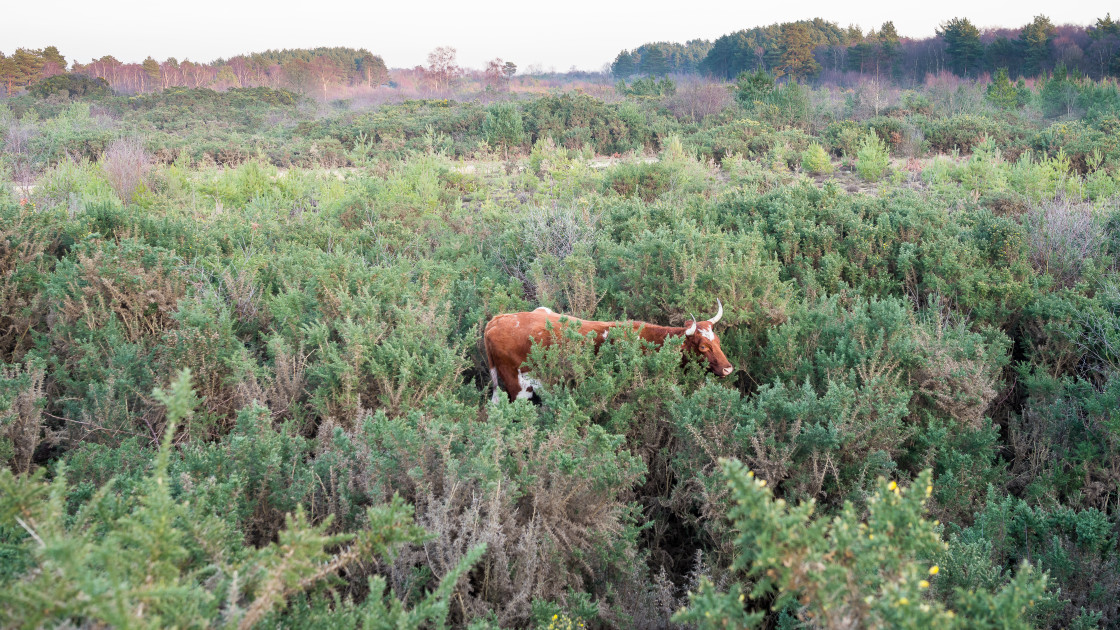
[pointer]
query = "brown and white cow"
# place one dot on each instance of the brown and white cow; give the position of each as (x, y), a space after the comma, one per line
(508, 339)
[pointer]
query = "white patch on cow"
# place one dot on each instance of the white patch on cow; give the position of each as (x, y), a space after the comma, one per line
(517, 324)
(527, 385)
(497, 388)
(605, 332)
(708, 334)
(544, 308)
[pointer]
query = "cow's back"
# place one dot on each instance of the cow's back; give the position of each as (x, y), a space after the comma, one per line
(514, 333)
(509, 338)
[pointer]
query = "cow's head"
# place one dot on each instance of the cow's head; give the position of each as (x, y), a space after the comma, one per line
(701, 339)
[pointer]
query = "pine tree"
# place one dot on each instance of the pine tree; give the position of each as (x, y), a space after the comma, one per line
(1004, 95)
(653, 62)
(8, 73)
(372, 69)
(1036, 39)
(889, 46)
(797, 52)
(151, 71)
(624, 65)
(1105, 36)
(28, 66)
(51, 55)
(962, 43)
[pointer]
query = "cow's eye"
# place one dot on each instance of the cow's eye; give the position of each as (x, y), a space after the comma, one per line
(704, 348)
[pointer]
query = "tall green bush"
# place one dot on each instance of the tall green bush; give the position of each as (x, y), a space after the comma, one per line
(872, 159)
(847, 570)
(503, 127)
(815, 160)
(147, 560)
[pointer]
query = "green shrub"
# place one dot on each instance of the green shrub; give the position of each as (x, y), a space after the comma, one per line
(572, 120)
(171, 565)
(1003, 94)
(840, 570)
(1078, 142)
(962, 132)
(503, 127)
(815, 160)
(749, 138)
(872, 159)
(648, 86)
(889, 129)
(71, 85)
(966, 324)
(1076, 548)
(1058, 92)
(644, 181)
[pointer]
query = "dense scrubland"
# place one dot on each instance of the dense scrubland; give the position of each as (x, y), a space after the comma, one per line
(242, 380)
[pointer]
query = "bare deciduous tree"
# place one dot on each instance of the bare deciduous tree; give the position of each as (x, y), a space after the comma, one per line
(496, 77)
(699, 100)
(442, 67)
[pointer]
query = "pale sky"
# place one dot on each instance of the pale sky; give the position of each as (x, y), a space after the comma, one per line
(581, 33)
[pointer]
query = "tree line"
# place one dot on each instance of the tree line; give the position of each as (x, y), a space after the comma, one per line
(806, 48)
(302, 70)
(314, 72)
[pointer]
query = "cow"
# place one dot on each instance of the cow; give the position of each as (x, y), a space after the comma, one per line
(508, 338)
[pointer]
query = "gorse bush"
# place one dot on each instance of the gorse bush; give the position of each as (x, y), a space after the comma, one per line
(325, 274)
(649, 86)
(172, 565)
(851, 572)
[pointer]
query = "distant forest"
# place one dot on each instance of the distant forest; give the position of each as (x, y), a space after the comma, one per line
(808, 48)
(805, 50)
(302, 70)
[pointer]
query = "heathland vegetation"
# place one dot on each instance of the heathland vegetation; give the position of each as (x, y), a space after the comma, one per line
(241, 380)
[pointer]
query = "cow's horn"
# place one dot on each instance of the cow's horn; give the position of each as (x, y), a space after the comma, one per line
(691, 329)
(719, 314)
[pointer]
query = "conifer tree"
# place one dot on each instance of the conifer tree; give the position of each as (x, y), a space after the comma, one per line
(797, 52)
(1036, 39)
(653, 62)
(624, 65)
(151, 71)
(889, 46)
(1003, 94)
(962, 43)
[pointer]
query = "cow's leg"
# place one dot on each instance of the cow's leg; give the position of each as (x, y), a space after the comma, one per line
(497, 386)
(507, 381)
